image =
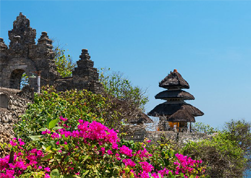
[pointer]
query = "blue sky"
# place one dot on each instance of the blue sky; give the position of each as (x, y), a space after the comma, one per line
(208, 42)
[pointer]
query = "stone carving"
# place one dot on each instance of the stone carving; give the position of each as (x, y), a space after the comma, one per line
(25, 56)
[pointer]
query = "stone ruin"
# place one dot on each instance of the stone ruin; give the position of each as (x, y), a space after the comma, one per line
(25, 56)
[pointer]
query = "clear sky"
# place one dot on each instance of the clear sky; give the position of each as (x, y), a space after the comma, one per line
(208, 42)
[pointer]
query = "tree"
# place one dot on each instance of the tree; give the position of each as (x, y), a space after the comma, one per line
(127, 100)
(64, 64)
(115, 84)
(240, 132)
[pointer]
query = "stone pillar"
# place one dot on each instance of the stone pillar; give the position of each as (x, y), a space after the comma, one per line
(22, 36)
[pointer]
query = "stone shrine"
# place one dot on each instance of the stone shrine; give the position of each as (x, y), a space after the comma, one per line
(25, 56)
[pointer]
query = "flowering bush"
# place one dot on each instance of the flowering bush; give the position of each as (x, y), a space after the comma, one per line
(91, 150)
(73, 104)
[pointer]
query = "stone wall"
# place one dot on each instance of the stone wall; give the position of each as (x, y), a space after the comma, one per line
(13, 103)
(138, 134)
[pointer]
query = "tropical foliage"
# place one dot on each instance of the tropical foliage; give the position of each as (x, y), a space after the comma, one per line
(64, 63)
(226, 153)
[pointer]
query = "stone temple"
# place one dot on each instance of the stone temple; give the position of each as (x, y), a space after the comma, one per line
(23, 55)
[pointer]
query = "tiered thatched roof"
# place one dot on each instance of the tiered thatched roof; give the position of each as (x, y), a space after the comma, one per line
(173, 80)
(140, 118)
(174, 94)
(176, 112)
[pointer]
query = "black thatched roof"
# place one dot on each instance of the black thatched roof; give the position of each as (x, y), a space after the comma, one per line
(168, 109)
(140, 118)
(174, 94)
(174, 80)
(181, 116)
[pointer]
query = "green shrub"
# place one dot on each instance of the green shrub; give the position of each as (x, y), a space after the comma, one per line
(223, 156)
(73, 104)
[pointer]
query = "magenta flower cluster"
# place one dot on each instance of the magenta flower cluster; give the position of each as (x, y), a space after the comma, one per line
(87, 134)
(185, 164)
(19, 165)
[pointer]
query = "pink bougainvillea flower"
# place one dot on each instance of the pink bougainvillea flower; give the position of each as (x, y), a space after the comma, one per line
(109, 152)
(46, 132)
(63, 119)
(13, 143)
(47, 176)
(146, 166)
(21, 143)
(128, 162)
(47, 169)
(126, 151)
(81, 121)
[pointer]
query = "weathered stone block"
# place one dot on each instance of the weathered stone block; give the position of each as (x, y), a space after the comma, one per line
(4, 100)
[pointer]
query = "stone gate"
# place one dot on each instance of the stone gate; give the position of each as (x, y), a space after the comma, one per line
(25, 56)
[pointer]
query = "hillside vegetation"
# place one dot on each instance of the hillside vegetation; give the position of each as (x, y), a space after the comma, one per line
(76, 134)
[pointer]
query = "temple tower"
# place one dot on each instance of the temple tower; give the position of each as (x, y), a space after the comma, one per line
(175, 112)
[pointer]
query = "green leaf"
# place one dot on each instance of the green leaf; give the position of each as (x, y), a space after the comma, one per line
(47, 157)
(182, 175)
(54, 173)
(35, 137)
(42, 129)
(85, 158)
(56, 128)
(53, 123)
(84, 174)
(48, 148)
